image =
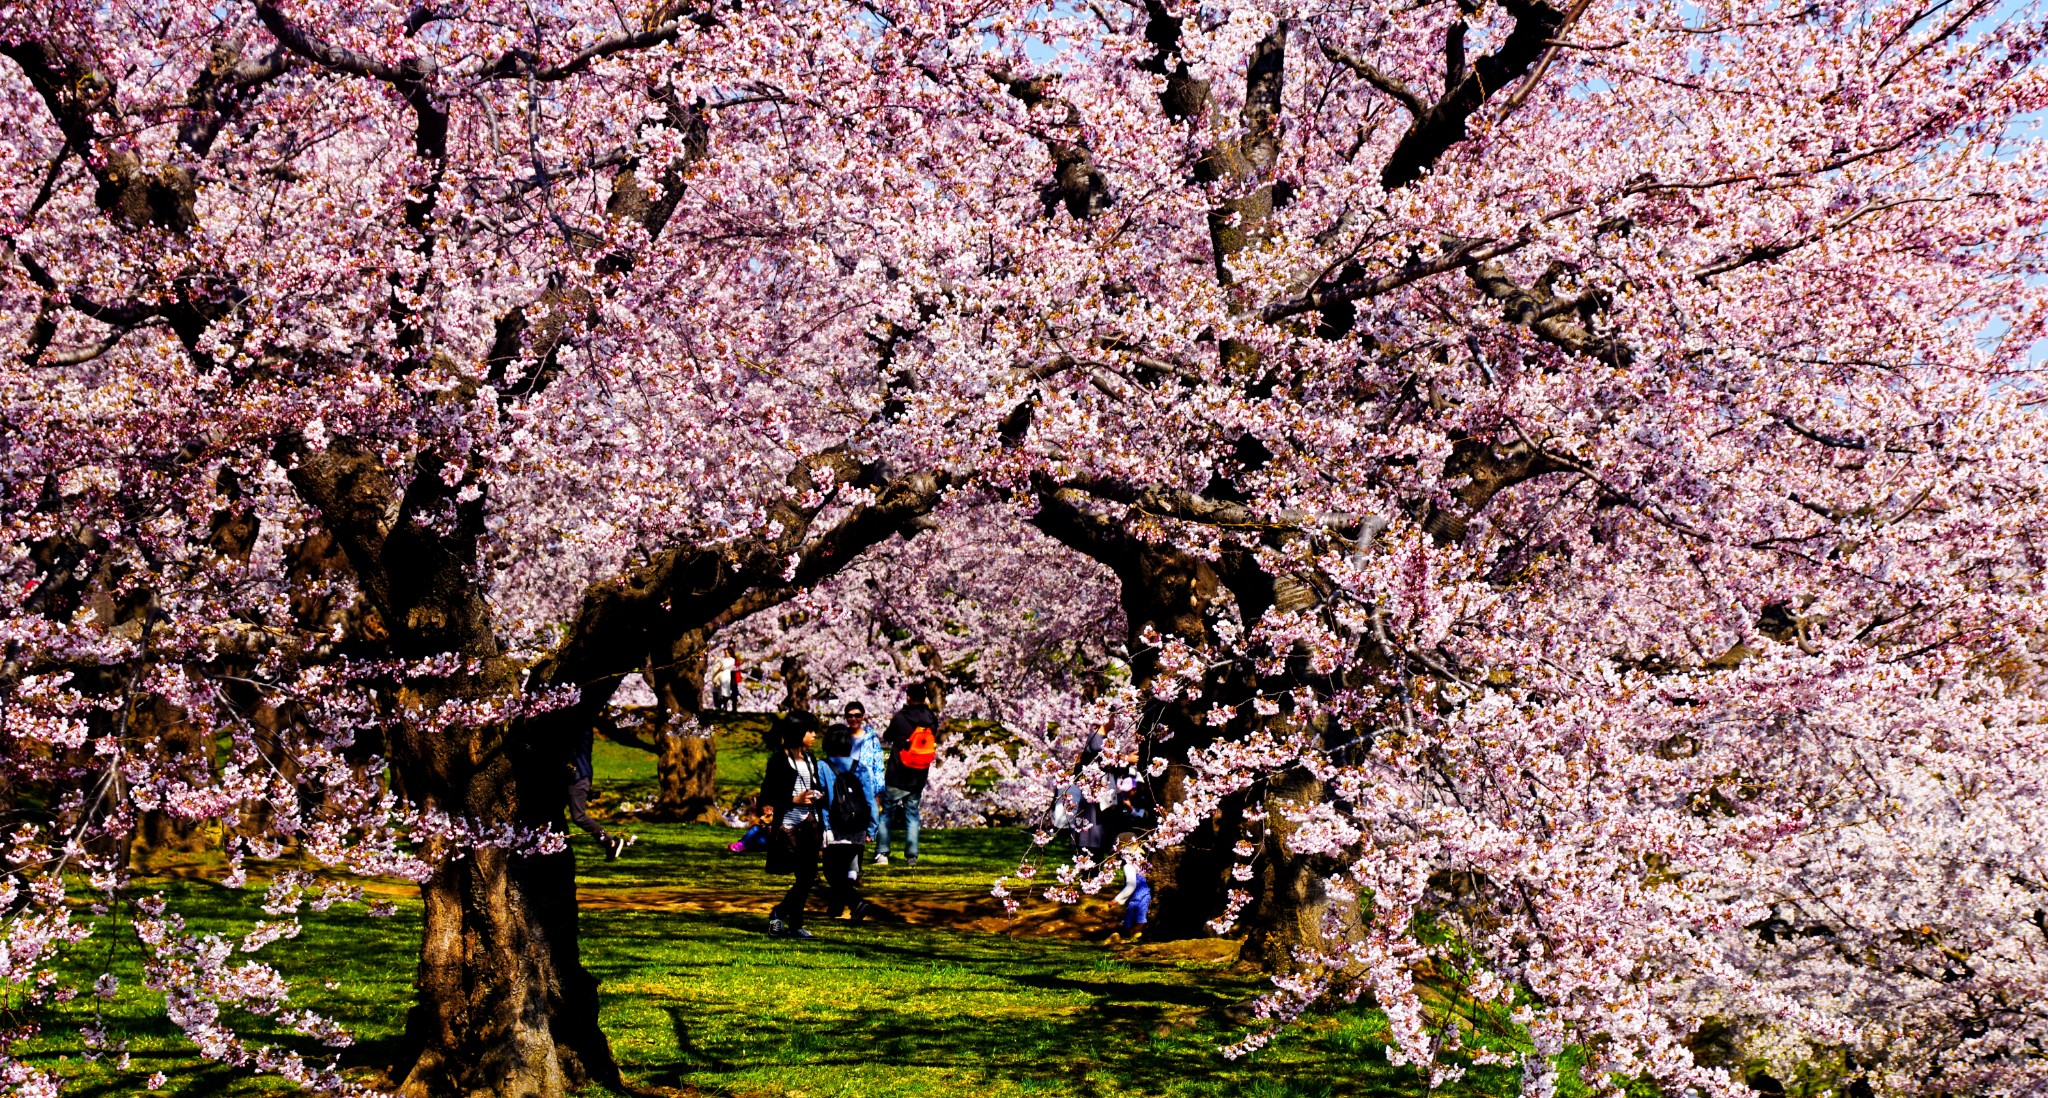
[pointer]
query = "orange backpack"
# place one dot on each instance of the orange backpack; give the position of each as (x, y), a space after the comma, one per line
(919, 751)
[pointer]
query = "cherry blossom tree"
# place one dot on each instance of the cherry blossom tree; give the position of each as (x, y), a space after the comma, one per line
(1568, 471)
(1021, 632)
(277, 274)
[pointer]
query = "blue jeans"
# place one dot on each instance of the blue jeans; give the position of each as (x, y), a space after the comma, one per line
(901, 805)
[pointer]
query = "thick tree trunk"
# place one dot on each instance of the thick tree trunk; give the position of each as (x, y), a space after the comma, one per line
(165, 730)
(505, 1008)
(1292, 910)
(686, 757)
(1192, 879)
(486, 988)
(1171, 592)
(796, 684)
(688, 768)
(1175, 593)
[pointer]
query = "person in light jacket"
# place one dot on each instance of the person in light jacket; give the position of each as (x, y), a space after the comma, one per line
(870, 760)
(725, 681)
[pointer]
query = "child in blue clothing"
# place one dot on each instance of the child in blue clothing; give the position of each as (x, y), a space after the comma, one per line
(1136, 895)
(756, 837)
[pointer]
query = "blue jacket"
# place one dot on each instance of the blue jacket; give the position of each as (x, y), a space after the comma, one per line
(829, 770)
(870, 760)
(832, 772)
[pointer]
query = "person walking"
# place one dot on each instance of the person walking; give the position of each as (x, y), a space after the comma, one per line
(848, 816)
(870, 761)
(913, 742)
(725, 681)
(794, 793)
(580, 773)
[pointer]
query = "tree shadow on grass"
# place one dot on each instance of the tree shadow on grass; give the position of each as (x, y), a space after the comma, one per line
(944, 1012)
(1083, 1055)
(209, 1081)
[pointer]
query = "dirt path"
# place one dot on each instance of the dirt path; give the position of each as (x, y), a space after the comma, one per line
(947, 909)
(940, 909)
(1091, 919)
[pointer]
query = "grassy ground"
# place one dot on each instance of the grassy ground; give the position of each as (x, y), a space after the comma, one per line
(697, 997)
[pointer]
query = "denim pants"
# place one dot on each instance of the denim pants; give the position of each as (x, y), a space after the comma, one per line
(899, 805)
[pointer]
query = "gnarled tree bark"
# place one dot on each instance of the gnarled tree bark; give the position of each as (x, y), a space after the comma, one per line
(504, 1007)
(686, 757)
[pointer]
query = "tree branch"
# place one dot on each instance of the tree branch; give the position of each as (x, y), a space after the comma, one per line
(1488, 469)
(1457, 255)
(410, 78)
(1443, 124)
(413, 80)
(222, 88)
(1538, 310)
(1377, 79)
(78, 355)
(323, 53)
(692, 587)
(521, 65)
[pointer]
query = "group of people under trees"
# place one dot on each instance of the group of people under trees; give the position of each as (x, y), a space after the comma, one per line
(820, 813)
(816, 813)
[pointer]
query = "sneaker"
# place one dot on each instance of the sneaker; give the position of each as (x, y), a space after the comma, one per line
(860, 911)
(777, 928)
(881, 859)
(613, 847)
(736, 848)
(912, 863)
(799, 933)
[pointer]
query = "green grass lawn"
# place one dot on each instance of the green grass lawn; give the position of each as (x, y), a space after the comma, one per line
(697, 996)
(625, 766)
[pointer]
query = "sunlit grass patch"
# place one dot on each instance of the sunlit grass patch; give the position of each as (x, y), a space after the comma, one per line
(695, 995)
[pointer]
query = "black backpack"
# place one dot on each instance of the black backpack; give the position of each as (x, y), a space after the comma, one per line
(850, 816)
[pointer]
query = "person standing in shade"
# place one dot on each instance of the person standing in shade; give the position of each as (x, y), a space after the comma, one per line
(913, 742)
(1074, 814)
(870, 761)
(580, 773)
(794, 793)
(725, 681)
(1077, 813)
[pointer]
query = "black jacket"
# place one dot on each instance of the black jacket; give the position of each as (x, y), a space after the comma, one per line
(910, 779)
(581, 743)
(778, 783)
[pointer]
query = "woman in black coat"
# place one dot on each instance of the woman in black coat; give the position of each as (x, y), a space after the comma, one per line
(794, 794)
